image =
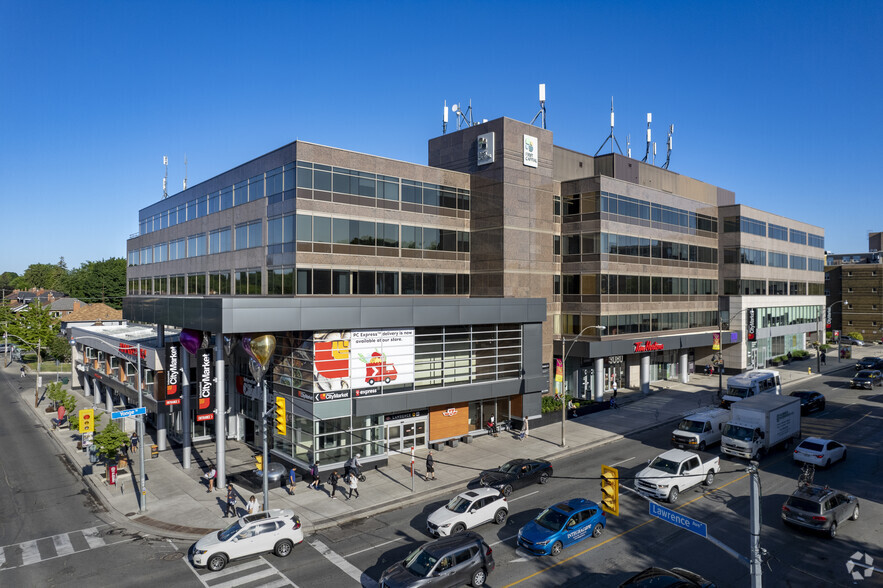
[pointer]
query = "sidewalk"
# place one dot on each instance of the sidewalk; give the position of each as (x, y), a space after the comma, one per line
(179, 506)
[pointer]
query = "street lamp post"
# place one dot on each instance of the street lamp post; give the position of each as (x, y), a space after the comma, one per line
(563, 369)
(841, 325)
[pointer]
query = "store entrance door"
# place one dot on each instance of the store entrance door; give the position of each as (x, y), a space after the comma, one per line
(404, 434)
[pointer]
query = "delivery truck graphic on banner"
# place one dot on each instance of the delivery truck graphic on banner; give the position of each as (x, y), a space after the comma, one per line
(377, 369)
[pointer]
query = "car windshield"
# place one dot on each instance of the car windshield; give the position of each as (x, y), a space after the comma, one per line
(666, 465)
(864, 374)
(739, 433)
(737, 392)
(230, 531)
(811, 446)
(511, 467)
(801, 395)
(551, 519)
(420, 562)
(458, 504)
(691, 426)
(804, 504)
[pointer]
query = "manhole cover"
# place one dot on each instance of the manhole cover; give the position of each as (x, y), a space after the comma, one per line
(175, 555)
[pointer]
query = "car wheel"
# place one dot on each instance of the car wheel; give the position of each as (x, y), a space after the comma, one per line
(217, 562)
(844, 456)
(832, 532)
(702, 446)
(597, 530)
(673, 495)
(828, 462)
(854, 513)
(283, 548)
(556, 548)
(479, 577)
(458, 528)
(544, 477)
(500, 516)
(507, 490)
(709, 478)
(822, 406)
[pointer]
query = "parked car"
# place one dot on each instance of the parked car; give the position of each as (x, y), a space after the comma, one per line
(867, 379)
(809, 400)
(561, 525)
(273, 530)
(819, 508)
(820, 452)
(459, 559)
(846, 340)
(869, 363)
(468, 510)
(673, 578)
(516, 474)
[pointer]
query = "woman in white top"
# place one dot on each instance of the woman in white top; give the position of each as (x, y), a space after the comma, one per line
(252, 506)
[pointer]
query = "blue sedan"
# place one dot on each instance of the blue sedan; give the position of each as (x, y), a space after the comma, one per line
(561, 525)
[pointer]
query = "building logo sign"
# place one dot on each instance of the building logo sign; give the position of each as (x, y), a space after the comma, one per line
(642, 346)
(531, 151)
(751, 324)
(173, 375)
(405, 415)
(485, 151)
(205, 409)
(132, 350)
(362, 392)
(828, 318)
(336, 395)
(450, 412)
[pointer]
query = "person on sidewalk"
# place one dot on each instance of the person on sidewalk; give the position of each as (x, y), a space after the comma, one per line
(430, 467)
(613, 403)
(332, 481)
(252, 506)
(231, 501)
(352, 465)
(571, 408)
(492, 426)
(354, 485)
(525, 430)
(823, 358)
(314, 473)
(292, 481)
(22, 372)
(134, 441)
(210, 477)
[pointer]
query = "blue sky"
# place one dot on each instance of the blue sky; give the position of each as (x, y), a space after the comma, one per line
(777, 101)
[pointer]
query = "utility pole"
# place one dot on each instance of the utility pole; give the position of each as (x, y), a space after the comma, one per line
(37, 383)
(142, 504)
(755, 551)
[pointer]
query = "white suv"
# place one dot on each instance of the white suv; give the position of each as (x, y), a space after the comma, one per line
(274, 530)
(468, 510)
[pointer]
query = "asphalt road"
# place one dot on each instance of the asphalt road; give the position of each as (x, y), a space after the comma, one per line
(41, 504)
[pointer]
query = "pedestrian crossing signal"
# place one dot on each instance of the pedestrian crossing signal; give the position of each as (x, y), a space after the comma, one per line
(610, 490)
(281, 428)
(259, 462)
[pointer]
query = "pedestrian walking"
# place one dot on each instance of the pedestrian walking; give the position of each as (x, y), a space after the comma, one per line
(352, 465)
(22, 372)
(210, 477)
(252, 506)
(430, 467)
(292, 481)
(354, 485)
(231, 501)
(525, 430)
(134, 441)
(823, 358)
(332, 481)
(492, 426)
(613, 403)
(572, 408)
(314, 474)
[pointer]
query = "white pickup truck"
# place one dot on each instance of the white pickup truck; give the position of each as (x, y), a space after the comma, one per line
(674, 471)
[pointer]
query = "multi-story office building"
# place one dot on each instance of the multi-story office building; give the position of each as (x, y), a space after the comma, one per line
(854, 290)
(411, 302)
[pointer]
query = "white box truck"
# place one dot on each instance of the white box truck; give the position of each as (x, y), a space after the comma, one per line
(700, 429)
(760, 423)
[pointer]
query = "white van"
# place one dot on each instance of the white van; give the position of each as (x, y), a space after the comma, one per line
(751, 384)
(700, 429)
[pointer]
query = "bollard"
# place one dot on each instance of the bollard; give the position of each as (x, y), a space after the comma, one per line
(809, 370)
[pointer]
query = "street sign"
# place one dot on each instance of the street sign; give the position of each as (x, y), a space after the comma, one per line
(128, 413)
(678, 520)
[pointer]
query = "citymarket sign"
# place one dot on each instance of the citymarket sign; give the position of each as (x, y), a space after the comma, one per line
(642, 346)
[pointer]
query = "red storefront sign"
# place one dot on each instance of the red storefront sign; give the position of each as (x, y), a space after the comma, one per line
(450, 412)
(641, 346)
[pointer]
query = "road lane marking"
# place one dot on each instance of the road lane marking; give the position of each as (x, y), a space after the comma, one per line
(503, 540)
(378, 545)
(523, 496)
(236, 567)
(345, 566)
(622, 462)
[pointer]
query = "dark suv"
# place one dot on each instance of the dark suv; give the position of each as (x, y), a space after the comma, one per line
(455, 560)
(869, 363)
(819, 508)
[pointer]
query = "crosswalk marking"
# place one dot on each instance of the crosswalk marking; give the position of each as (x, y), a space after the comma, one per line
(92, 537)
(345, 566)
(238, 567)
(46, 548)
(62, 545)
(244, 579)
(29, 553)
(268, 576)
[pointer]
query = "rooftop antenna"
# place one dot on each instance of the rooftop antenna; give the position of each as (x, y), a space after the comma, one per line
(165, 180)
(445, 119)
(611, 137)
(654, 152)
(671, 130)
(185, 171)
(542, 111)
(628, 145)
(463, 118)
(647, 152)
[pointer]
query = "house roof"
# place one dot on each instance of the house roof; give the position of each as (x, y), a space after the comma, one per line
(94, 312)
(66, 303)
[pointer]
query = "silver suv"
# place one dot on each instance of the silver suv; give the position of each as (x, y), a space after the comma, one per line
(819, 508)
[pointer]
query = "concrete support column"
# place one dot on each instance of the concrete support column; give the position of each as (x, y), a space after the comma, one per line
(185, 409)
(161, 421)
(220, 412)
(645, 373)
(108, 400)
(683, 367)
(91, 385)
(599, 379)
(74, 380)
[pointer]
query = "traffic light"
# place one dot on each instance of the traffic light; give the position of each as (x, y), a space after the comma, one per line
(87, 420)
(280, 416)
(259, 462)
(610, 490)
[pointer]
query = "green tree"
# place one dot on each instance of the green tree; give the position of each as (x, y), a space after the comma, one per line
(35, 326)
(99, 281)
(110, 440)
(44, 275)
(7, 282)
(59, 348)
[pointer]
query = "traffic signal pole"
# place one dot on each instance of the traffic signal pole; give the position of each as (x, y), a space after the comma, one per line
(266, 461)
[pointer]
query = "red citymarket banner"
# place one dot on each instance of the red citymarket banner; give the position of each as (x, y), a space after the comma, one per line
(205, 375)
(641, 346)
(173, 375)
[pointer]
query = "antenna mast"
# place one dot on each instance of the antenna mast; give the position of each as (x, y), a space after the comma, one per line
(647, 152)
(542, 111)
(165, 180)
(185, 171)
(463, 118)
(628, 145)
(671, 130)
(445, 119)
(611, 137)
